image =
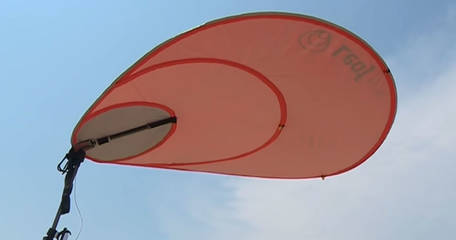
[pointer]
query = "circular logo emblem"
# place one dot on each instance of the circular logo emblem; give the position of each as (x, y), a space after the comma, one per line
(315, 41)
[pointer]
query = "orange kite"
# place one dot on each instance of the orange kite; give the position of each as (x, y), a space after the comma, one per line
(271, 95)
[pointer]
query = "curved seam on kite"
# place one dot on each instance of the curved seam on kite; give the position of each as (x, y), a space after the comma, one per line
(257, 74)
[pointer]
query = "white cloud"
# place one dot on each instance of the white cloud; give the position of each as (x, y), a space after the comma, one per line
(405, 191)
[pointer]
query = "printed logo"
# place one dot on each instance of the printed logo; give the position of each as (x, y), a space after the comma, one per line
(319, 40)
(315, 41)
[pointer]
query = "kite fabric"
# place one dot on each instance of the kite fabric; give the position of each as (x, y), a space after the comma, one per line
(272, 95)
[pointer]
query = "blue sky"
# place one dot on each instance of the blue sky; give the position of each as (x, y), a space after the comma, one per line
(58, 56)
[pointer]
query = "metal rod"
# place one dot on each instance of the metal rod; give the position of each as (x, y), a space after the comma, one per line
(124, 133)
(56, 219)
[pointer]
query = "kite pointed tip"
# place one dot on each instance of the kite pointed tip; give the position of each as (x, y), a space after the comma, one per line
(323, 177)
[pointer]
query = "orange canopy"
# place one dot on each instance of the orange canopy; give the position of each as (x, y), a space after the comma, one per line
(267, 95)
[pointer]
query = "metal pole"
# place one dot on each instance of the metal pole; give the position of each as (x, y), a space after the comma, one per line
(75, 157)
